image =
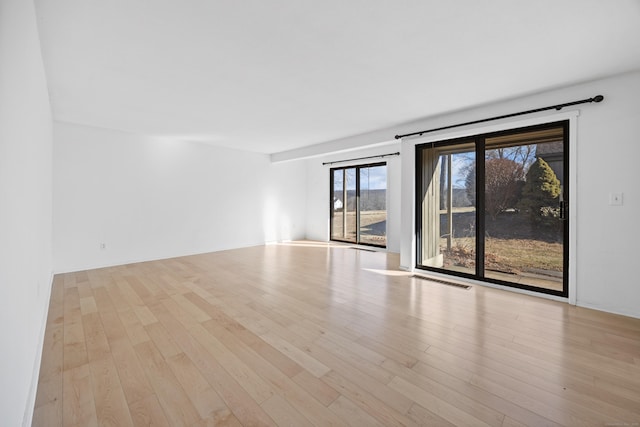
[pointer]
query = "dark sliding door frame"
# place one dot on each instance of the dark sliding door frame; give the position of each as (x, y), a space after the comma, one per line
(345, 198)
(480, 205)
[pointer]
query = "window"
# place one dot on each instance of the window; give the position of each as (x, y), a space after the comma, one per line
(492, 207)
(358, 204)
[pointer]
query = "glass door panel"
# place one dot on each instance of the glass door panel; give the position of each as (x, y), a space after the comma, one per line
(343, 205)
(373, 205)
(524, 224)
(448, 199)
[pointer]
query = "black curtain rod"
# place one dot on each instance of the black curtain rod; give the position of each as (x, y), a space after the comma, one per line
(597, 98)
(362, 158)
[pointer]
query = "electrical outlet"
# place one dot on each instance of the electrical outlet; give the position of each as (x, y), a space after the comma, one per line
(103, 246)
(615, 199)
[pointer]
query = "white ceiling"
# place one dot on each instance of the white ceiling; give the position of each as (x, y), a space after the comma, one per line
(271, 76)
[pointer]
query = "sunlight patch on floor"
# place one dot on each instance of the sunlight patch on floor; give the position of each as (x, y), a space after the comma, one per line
(388, 272)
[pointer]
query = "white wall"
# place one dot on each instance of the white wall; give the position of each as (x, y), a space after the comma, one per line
(149, 198)
(607, 155)
(608, 160)
(318, 192)
(25, 209)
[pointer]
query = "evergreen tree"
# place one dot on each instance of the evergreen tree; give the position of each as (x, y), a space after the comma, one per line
(540, 193)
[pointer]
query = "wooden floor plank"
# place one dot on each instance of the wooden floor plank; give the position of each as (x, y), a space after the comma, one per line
(135, 384)
(471, 391)
(303, 400)
(246, 409)
(302, 358)
(206, 401)
(283, 413)
(171, 394)
(148, 412)
(49, 399)
(317, 334)
(75, 349)
(247, 377)
(372, 401)
(79, 406)
(434, 404)
(425, 417)
(163, 341)
(352, 414)
(96, 339)
(110, 402)
(583, 395)
(52, 352)
(133, 326)
(317, 388)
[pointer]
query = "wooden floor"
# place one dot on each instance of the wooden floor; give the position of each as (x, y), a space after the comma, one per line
(307, 334)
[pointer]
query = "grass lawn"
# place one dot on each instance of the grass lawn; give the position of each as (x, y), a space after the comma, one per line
(513, 255)
(372, 227)
(506, 255)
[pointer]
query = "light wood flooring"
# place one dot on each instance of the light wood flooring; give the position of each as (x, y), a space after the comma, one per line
(309, 334)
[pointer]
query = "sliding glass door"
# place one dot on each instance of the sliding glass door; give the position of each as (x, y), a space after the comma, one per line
(358, 210)
(492, 207)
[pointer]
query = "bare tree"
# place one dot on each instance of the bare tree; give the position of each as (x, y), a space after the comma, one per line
(503, 182)
(522, 154)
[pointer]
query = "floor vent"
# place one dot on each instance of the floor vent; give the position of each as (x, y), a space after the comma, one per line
(363, 249)
(444, 282)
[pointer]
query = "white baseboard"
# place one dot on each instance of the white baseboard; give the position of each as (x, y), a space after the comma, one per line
(27, 419)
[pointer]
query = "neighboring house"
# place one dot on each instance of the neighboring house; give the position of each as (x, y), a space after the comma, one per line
(337, 204)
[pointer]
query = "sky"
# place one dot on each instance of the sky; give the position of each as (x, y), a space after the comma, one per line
(373, 178)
